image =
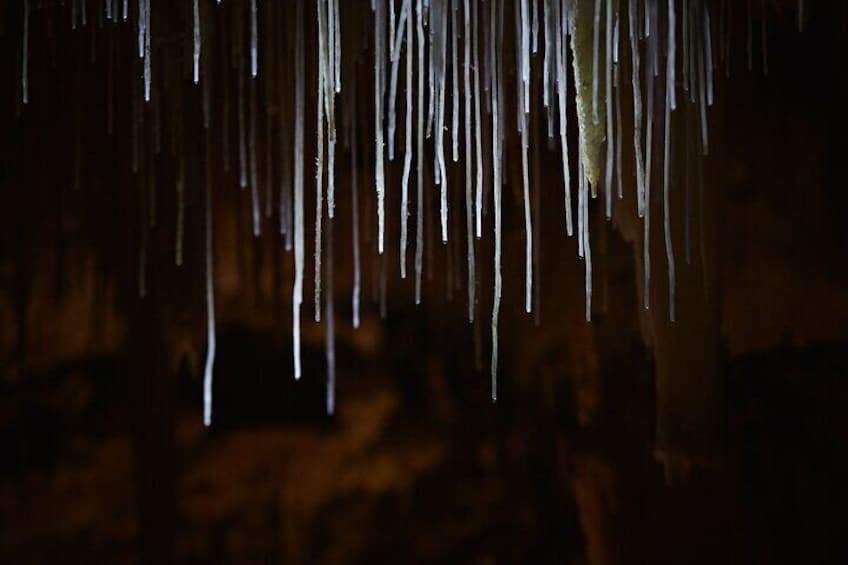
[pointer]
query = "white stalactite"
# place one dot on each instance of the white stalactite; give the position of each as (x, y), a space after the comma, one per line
(25, 56)
(379, 90)
(469, 196)
(196, 40)
(297, 289)
(407, 155)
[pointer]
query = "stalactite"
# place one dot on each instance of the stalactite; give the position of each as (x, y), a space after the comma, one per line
(407, 153)
(686, 42)
(254, 40)
(25, 56)
(669, 246)
(209, 364)
(297, 289)
(524, 17)
(616, 85)
(581, 185)
(419, 155)
(140, 23)
(147, 56)
(331, 88)
(487, 63)
(284, 132)
(702, 234)
(469, 197)
(501, 100)
(392, 28)
(618, 140)
(196, 40)
(337, 55)
(590, 127)
(537, 223)
(330, 330)
(637, 106)
(319, 167)
(354, 207)
(561, 22)
(649, 144)
(671, 57)
(241, 119)
(581, 218)
(703, 102)
(610, 135)
(692, 23)
(255, 205)
(548, 71)
(332, 44)
(478, 138)
(523, 56)
(440, 46)
(395, 43)
(431, 62)
(379, 73)
(534, 46)
(687, 185)
(454, 84)
(708, 51)
(497, 92)
(587, 250)
(655, 37)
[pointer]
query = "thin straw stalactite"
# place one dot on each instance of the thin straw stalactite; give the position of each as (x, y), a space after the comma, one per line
(379, 74)
(407, 154)
(210, 287)
(419, 154)
(469, 197)
(497, 126)
(297, 288)
(25, 55)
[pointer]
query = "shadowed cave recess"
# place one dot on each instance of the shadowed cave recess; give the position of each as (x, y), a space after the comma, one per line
(365, 281)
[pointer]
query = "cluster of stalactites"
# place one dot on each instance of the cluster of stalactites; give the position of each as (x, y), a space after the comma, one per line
(456, 69)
